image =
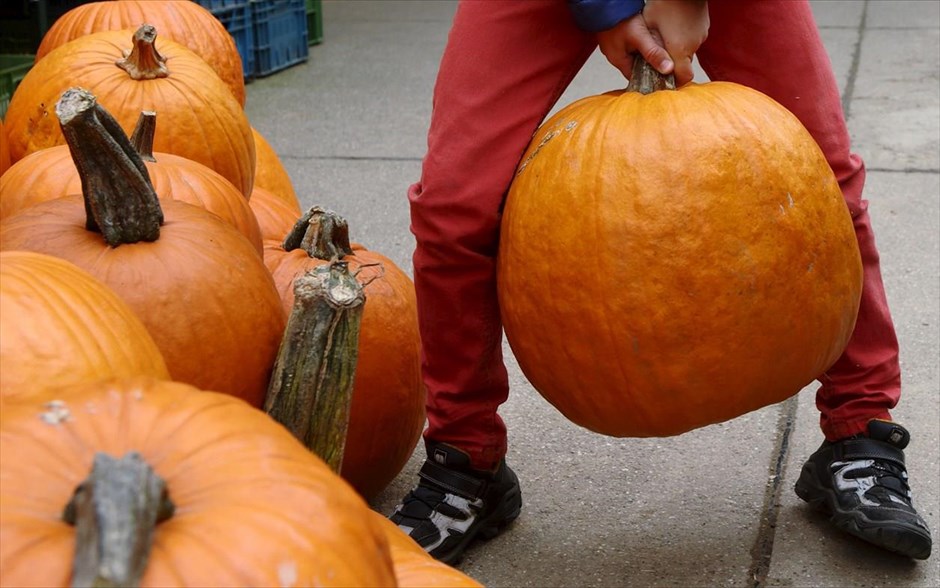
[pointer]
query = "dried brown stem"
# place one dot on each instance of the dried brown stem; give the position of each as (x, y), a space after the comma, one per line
(143, 61)
(144, 131)
(321, 233)
(120, 201)
(311, 388)
(645, 79)
(115, 512)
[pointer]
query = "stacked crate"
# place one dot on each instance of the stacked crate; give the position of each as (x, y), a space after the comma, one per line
(237, 18)
(270, 34)
(314, 22)
(280, 34)
(22, 26)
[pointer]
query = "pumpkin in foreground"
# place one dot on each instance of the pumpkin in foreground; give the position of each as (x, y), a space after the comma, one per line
(245, 504)
(675, 258)
(61, 326)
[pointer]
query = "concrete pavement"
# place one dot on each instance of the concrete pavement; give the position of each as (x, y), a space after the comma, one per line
(712, 507)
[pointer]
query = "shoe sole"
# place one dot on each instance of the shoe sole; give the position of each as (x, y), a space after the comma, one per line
(487, 528)
(896, 537)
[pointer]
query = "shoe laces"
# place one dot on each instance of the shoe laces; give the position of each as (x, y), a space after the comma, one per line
(424, 500)
(889, 480)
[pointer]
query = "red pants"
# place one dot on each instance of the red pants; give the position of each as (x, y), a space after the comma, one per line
(505, 65)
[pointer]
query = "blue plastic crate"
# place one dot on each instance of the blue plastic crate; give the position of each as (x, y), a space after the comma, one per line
(280, 34)
(236, 15)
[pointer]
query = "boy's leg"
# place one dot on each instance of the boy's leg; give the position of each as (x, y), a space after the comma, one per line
(775, 47)
(505, 65)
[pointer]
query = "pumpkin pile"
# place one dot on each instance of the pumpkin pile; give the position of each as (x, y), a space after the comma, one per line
(671, 258)
(191, 357)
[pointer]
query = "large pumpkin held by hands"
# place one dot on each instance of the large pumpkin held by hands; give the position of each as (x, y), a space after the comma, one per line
(674, 259)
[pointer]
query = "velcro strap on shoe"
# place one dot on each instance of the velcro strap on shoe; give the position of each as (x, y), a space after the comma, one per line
(864, 448)
(459, 483)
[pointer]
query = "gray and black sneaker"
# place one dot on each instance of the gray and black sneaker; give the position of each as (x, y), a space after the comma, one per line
(861, 482)
(454, 504)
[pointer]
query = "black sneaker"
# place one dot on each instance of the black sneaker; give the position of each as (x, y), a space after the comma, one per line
(453, 503)
(862, 483)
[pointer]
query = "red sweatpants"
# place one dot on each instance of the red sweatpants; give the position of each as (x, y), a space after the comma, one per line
(504, 67)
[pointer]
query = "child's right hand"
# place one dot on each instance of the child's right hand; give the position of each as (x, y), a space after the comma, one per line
(683, 27)
(667, 33)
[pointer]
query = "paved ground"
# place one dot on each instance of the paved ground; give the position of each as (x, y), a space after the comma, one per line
(713, 507)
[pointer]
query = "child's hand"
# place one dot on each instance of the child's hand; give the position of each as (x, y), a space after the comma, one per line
(629, 37)
(667, 33)
(683, 27)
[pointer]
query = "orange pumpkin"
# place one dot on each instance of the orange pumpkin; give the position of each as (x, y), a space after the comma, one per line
(200, 119)
(61, 326)
(200, 289)
(183, 21)
(387, 412)
(50, 173)
(4, 150)
(253, 507)
(653, 279)
(196, 283)
(275, 215)
(270, 173)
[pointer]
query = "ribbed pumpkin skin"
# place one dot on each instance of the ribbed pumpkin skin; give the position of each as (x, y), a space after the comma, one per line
(199, 117)
(183, 21)
(270, 173)
(60, 326)
(4, 150)
(275, 215)
(201, 289)
(673, 260)
(50, 173)
(387, 413)
(253, 506)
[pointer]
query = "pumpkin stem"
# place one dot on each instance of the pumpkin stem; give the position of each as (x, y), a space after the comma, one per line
(120, 202)
(311, 387)
(142, 137)
(323, 234)
(115, 512)
(646, 80)
(143, 61)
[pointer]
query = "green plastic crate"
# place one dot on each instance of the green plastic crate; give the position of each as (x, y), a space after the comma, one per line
(23, 23)
(12, 70)
(314, 22)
